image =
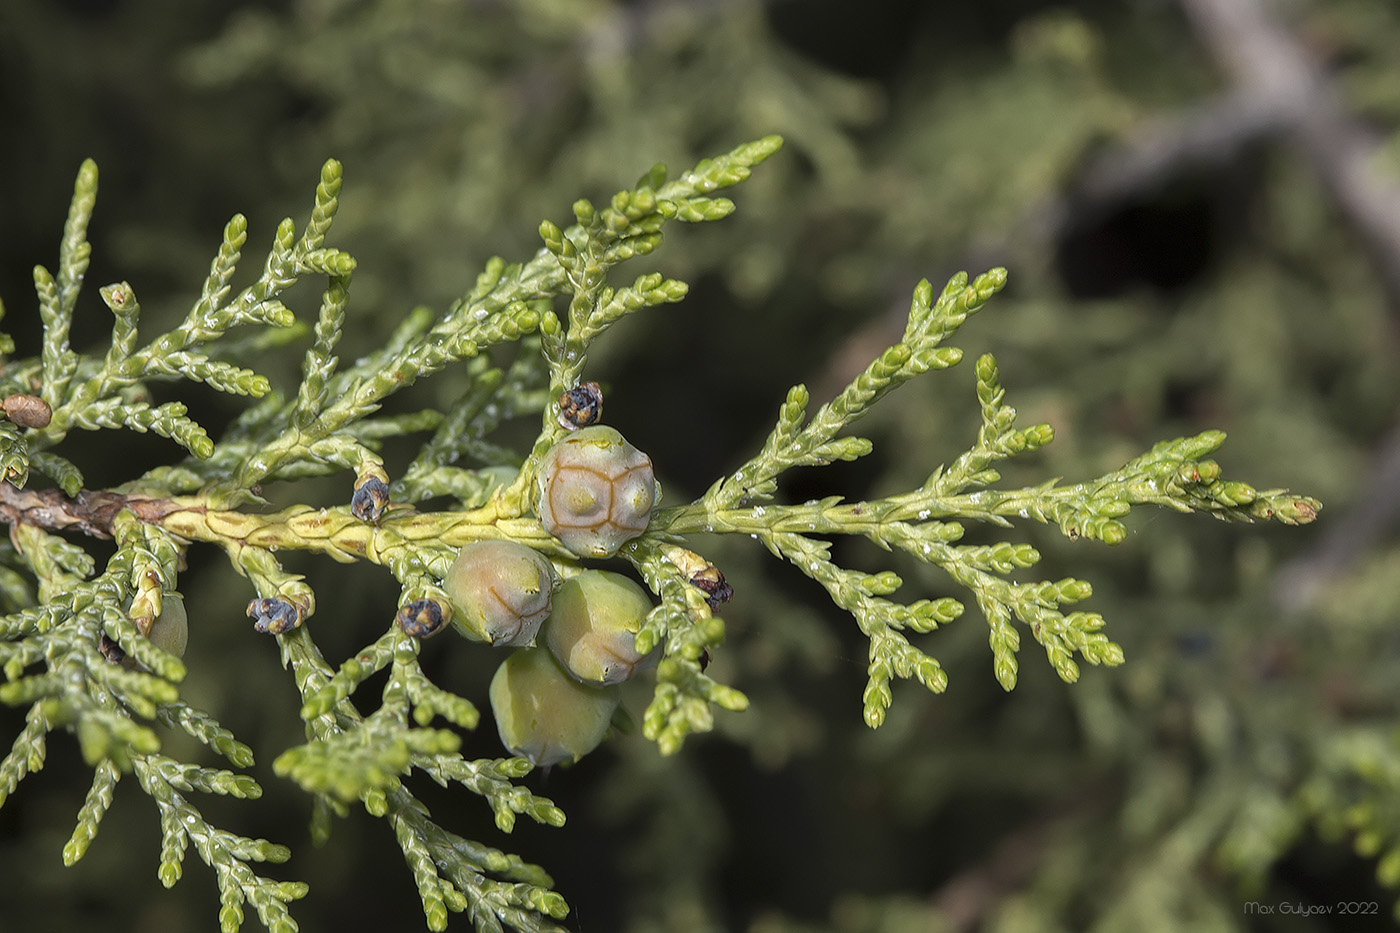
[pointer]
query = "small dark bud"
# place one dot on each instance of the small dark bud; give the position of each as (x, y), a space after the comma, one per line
(711, 582)
(111, 650)
(27, 411)
(578, 408)
(421, 618)
(702, 575)
(273, 616)
(370, 500)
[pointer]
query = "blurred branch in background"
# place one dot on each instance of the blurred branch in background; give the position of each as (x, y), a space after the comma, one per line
(1293, 93)
(1289, 94)
(1074, 143)
(1279, 93)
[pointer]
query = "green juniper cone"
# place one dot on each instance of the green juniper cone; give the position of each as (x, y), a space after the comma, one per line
(596, 491)
(485, 557)
(170, 631)
(544, 714)
(592, 631)
(500, 592)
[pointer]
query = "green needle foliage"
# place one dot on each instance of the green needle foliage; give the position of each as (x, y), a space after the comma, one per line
(79, 648)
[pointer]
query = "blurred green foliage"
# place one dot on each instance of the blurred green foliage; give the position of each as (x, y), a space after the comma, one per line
(1244, 753)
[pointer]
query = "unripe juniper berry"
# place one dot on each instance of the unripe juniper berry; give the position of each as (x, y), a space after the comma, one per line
(596, 491)
(500, 592)
(592, 629)
(545, 715)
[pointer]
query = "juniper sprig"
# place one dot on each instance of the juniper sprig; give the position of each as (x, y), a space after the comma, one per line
(80, 646)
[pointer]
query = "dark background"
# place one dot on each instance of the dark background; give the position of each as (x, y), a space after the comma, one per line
(1195, 240)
